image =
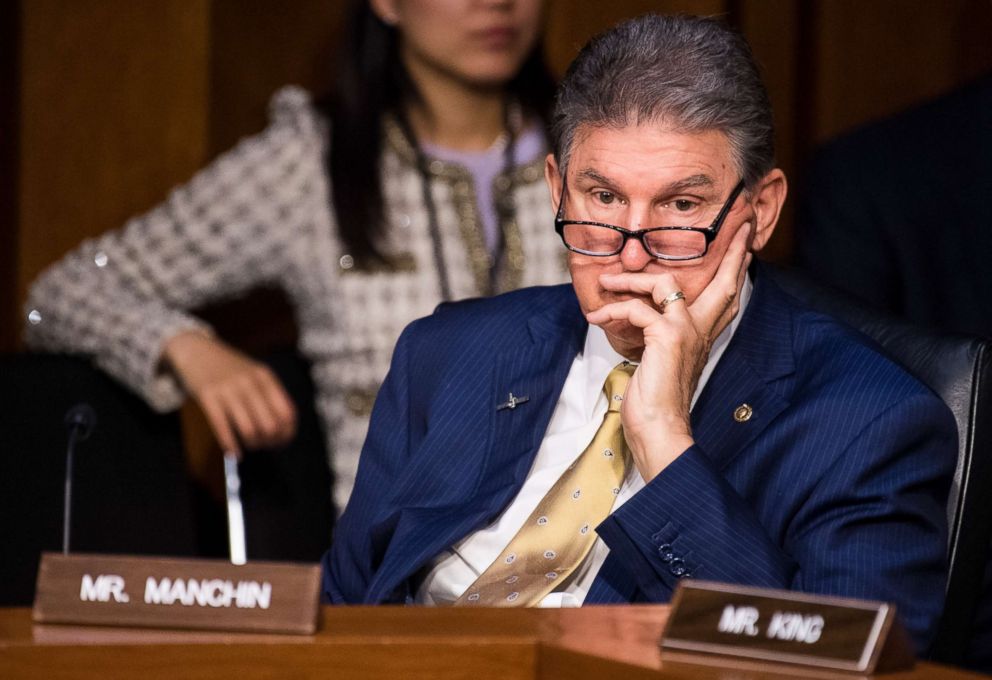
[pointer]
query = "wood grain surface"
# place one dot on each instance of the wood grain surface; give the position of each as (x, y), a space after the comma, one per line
(391, 642)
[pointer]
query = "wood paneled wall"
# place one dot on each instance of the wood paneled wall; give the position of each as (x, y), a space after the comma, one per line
(10, 50)
(116, 101)
(113, 110)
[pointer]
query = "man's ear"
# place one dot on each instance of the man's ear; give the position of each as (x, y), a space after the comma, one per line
(553, 178)
(767, 199)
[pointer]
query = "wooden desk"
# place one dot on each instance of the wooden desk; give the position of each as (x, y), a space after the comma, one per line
(386, 642)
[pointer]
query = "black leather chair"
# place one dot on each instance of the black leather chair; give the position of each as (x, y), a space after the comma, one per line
(957, 368)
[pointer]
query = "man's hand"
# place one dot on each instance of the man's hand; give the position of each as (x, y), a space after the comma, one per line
(677, 343)
(241, 398)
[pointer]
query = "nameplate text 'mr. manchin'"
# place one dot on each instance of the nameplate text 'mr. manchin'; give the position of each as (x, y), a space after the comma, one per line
(177, 593)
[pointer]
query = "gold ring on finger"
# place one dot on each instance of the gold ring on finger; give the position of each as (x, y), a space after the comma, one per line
(672, 297)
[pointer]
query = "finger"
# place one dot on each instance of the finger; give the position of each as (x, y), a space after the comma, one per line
(742, 274)
(220, 426)
(269, 407)
(637, 312)
(661, 287)
(238, 414)
(264, 421)
(674, 300)
(722, 291)
(727, 303)
(733, 308)
(280, 405)
(658, 286)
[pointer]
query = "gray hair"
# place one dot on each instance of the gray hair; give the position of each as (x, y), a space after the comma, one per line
(689, 73)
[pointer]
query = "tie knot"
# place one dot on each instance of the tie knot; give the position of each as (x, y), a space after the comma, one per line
(616, 384)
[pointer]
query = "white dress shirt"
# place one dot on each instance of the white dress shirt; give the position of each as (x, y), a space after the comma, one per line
(576, 418)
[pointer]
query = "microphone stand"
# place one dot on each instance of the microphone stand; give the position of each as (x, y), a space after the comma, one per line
(80, 419)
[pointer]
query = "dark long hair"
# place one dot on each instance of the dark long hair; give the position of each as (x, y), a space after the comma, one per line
(371, 81)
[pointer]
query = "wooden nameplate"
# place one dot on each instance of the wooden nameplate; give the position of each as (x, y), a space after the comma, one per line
(783, 626)
(159, 592)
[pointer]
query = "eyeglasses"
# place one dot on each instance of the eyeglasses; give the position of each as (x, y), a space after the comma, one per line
(665, 243)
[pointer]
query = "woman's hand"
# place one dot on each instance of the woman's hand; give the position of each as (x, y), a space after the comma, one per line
(242, 399)
(677, 342)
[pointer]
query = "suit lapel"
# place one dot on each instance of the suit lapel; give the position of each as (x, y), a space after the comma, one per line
(537, 374)
(533, 364)
(747, 390)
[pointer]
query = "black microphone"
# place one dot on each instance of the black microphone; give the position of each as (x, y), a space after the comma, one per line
(80, 420)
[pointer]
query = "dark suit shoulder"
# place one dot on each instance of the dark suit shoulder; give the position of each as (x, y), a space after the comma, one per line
(491, 320)
(519, 303)
(470, 332)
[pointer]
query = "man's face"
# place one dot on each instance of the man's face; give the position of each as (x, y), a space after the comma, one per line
(645, 176)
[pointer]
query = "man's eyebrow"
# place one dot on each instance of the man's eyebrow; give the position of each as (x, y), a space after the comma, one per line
(690, 182)
(590, 174)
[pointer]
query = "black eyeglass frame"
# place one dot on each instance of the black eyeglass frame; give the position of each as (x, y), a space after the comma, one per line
(709, 233)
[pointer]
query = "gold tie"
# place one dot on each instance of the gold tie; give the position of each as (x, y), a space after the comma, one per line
(560, 532)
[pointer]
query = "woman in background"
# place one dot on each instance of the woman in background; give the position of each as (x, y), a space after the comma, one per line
(418, 180)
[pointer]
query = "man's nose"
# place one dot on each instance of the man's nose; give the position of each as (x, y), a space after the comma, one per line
(633, 256)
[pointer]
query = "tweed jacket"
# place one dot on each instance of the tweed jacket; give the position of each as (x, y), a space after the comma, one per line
(259, 216)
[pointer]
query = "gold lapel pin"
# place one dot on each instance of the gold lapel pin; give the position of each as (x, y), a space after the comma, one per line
(743, 413)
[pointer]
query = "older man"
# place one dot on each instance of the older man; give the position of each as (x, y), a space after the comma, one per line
(670, 414)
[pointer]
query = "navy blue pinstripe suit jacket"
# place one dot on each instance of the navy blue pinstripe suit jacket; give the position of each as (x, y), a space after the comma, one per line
(837, 484)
